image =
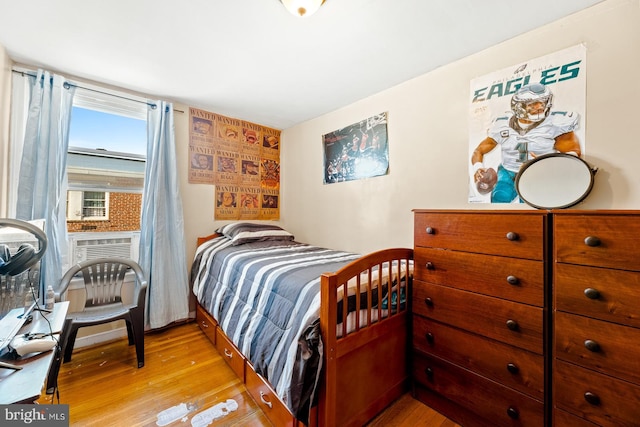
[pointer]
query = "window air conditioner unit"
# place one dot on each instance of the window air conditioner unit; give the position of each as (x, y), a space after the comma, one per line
(88, 246)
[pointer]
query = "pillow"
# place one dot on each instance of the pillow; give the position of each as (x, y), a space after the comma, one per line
(243, 232)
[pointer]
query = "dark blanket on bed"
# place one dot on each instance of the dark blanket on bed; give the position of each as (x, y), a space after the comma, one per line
(266, 298)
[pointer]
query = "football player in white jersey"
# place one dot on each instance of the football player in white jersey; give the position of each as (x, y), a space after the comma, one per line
(528, 131)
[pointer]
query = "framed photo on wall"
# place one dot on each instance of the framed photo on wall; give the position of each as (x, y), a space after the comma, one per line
(357, 151)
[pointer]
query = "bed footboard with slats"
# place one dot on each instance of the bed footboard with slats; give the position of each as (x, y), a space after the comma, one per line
(365, 364)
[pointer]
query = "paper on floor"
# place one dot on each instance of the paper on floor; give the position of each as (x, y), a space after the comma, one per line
(172, 414)
(205, 418)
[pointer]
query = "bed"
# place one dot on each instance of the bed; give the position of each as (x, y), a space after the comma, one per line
(279, 314)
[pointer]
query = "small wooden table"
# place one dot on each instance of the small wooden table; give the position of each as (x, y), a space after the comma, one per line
(25, 385)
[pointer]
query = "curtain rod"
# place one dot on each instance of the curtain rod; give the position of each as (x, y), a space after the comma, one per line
(67, 85)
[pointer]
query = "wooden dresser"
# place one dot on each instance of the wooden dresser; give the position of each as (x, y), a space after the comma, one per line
(479, 316)
(596, 366)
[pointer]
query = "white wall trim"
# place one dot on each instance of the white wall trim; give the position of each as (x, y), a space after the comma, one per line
(100, 337)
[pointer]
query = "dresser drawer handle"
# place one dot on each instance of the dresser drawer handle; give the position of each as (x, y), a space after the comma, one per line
(513, 368)
(265, 401)
(513, 280)
(512, 236)
(513, 413)
(592, 241)
(512, 325)
(430, 230)
(592, 398)
(204, 324)
(592, 293)
(228, 353)
(428, 302)
(429, 337)
(429, 265)
(429, 373)
(592, 346)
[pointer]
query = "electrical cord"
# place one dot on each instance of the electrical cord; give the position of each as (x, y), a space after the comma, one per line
(58, 348)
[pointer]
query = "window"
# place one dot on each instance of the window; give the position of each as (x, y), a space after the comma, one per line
(87, 205)
(105, 163)
(105, 168)
(94, 204)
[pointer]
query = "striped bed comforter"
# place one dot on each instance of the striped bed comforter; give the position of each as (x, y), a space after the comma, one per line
(266, 298)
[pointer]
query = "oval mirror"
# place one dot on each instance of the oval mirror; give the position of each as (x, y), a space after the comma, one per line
(554, 181)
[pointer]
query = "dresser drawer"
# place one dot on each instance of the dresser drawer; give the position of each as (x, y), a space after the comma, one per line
(490, 400)
(506, 321)
(598, 398)
(565, 419)
(267, 400)
(612, 295)
(615, 349)
(230, 353)
(517, 235)
(597, 240)
(516, 368)
(519, 280)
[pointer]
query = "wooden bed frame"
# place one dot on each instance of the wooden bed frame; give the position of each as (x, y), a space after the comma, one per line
(363, 371)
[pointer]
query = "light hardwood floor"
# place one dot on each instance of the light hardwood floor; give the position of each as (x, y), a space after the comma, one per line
(104, 388)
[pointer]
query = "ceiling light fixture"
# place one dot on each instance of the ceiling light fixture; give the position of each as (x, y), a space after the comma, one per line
(302, 8)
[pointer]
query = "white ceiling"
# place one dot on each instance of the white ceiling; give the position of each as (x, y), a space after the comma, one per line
(251, 59)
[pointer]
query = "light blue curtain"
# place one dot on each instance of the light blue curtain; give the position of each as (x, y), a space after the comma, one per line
(162, 247)
(42, 176)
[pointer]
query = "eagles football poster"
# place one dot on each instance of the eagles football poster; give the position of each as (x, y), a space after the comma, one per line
(521, 112)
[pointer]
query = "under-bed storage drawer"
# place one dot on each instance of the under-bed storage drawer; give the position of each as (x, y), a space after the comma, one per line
(267, 400)
(512, 366)
(207, 324)
(230, 353)
(489, 399)
(512, 323)
(519, 280)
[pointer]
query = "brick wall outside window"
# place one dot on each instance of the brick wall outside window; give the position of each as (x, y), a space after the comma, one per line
(124, 215)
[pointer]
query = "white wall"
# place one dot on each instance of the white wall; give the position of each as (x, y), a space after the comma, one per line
(429, 145)
(428, 139)
(198, 199)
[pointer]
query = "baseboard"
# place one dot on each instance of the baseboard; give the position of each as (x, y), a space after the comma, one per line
(100, 337)
(115, 334)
